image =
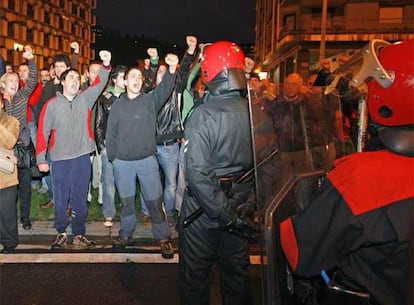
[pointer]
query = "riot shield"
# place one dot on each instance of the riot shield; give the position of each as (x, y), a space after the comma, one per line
(295, 138)
(295, 144)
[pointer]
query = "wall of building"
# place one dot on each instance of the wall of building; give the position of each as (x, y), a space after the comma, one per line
(49, 26)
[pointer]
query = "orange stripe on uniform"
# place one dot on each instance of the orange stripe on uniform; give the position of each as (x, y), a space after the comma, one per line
(366, 190)
(289, 243)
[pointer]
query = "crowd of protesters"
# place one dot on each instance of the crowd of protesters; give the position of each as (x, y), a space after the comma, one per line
(190, 123)
(123, 146)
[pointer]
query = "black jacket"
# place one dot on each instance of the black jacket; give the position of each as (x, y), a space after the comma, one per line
(169, 125)
(360, 221)
(104, 104)
(218, 145)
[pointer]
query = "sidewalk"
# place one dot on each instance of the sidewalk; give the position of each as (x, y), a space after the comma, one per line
(35, 246)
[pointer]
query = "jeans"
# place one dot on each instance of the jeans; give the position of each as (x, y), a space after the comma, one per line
(179, 194)
(108, 186)
(168, 160)
(147, 171)
(70, 188)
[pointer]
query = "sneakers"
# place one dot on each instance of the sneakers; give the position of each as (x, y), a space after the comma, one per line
(81, 242)
(60, 241)
(108, 222)
(27, 225)
(171, 221)
(121, 242)
(167, 250)
(47, 205)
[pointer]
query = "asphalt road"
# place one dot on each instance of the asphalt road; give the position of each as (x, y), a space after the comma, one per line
(99, 283)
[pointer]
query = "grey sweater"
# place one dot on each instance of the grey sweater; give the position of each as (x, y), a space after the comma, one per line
(64, 126)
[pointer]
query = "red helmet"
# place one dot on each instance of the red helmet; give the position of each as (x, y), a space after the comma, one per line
(220, 56)
(392, 104)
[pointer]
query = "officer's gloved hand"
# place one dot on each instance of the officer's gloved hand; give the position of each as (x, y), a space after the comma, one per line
(242, 221)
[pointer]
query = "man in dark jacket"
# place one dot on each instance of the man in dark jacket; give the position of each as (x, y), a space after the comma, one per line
(360, 222)
(131, 147)
(218, 150)
(169, 131)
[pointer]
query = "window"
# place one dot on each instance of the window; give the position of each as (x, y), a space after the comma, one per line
(289, 22)
(11, 5)
(61, 23)
(47, 18)
(82, 13)
(46, 40)
(60, 43)
(29, 35)
(30, 11)
(74, 9)
(62, 3)
(10, 29)
(391, 15)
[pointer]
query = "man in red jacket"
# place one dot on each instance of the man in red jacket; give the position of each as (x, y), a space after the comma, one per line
(360, 222)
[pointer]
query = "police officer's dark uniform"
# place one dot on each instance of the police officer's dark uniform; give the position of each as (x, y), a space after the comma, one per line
(361, 219)
(218, 150)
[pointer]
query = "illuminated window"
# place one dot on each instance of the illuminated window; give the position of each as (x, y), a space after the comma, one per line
(391, 15)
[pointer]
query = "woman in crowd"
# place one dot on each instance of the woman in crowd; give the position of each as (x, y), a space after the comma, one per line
(9, 133)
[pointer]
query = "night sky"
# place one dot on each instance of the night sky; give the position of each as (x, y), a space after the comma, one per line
(171, 20)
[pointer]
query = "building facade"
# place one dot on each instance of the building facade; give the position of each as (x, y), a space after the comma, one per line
(48, 26)
(289, 32)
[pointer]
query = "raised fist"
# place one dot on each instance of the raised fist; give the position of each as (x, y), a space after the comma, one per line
(191, 43)
(249, 64)
(28, 52)
(171, 59)
(75, 46)
(105, 57)
(147, 63)
(152, 52)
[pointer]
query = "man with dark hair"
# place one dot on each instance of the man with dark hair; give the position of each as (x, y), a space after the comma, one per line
(131, 147)
(60, 64)
(65, 119)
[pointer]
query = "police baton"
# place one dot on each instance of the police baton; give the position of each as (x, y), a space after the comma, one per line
(197, 213)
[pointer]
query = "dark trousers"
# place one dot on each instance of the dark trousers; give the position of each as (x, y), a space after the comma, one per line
(70, 189)
(9, 236)
(202, 248)
(24, 192)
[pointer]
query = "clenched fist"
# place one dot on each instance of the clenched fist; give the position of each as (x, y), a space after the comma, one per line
(105, 57)
(75, 46)
(192, 44)
(28, 52)
(152, 52)
(172, 62)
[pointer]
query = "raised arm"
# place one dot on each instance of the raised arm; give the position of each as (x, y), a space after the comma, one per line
(186, 63)
(163, 90)
(92, 93)
(151, 77)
